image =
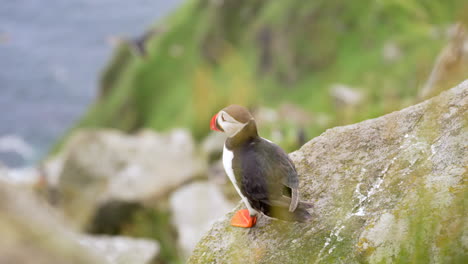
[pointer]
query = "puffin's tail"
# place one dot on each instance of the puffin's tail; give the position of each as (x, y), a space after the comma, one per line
(298, 215)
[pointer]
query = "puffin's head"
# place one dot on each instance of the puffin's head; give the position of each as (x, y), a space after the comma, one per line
(231, 120)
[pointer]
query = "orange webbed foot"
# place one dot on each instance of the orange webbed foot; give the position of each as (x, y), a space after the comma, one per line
(242, 218)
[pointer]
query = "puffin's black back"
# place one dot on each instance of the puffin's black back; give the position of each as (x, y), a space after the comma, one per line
(266, 176)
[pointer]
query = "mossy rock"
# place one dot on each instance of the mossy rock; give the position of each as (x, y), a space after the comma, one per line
(387, 190)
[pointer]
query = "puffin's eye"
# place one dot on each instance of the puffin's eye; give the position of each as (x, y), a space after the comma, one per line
(222, 118)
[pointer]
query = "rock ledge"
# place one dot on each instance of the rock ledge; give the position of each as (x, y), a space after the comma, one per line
(389, 190)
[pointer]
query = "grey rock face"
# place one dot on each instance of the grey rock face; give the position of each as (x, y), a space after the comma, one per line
(345, 96)
(29, 233)
(386, 190)
(25, 177)
(451, 65)
(195, 208)
(213, 143)
(32, 232)
(102, 166)
(121, 250)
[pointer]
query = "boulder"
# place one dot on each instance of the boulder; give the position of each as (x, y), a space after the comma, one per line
(30, 233)
(347, 101)
(104, 166)
(52, 169)
(386, 190)
(345, 96)
(26, 177)
(212, 145)
(391, 52)
(451, 65)
(285, 126)
(29, 179)
(195, 207)
(120, 249)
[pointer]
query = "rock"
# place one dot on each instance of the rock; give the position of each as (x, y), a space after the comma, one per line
(42, 179)
(121, 250)
(103, 166)
(386, 190)
(345, 96)
(52, 168)
(30, 179)
(216, 173)
(348, 102)
(286, 126)
(391, 52)
(31, 234)
(295, 115)
(266, 115)
(451, 65)
(217, 176)
(25, 177)
(212, 145)
(195, 208)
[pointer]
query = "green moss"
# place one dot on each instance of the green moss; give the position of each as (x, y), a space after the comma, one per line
(433, 233)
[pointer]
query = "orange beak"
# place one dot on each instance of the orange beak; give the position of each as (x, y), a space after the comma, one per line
(214, 124)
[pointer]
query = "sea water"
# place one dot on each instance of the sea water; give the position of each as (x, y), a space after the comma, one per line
(51, 54)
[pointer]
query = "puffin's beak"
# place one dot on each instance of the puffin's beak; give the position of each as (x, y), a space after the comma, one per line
(213, 124)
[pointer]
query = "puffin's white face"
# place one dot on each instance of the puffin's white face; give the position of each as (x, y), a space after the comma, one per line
(228, 124)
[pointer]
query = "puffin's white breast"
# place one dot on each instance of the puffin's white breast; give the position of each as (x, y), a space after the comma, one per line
(228, 156)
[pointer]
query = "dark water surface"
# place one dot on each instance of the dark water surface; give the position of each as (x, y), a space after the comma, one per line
(51, 53)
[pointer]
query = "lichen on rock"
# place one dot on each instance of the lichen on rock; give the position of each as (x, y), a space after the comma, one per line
(386, 190)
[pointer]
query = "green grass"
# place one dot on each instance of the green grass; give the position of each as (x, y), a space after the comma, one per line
(313, 44)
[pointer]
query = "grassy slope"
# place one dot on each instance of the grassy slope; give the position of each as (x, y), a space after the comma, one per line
(268, 52)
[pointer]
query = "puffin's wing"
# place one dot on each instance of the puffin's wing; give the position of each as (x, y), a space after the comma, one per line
(285, 173)
(294, 199)
(291, 180)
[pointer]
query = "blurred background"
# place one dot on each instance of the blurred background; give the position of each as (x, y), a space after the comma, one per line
(101, 101)
(51, 56)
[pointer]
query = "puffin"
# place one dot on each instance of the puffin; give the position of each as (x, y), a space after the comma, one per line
(262, 173)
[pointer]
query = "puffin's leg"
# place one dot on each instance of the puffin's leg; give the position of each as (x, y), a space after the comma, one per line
(245, 217)
(242, 218)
